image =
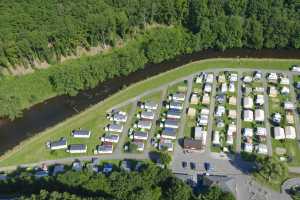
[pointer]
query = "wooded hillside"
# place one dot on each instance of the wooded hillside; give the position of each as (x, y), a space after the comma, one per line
(46, 30)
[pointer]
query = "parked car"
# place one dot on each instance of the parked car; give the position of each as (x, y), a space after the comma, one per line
(192, 165)
(184, 164)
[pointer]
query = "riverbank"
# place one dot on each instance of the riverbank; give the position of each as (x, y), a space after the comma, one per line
(33, 149)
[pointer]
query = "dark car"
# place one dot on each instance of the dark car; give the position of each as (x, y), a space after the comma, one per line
(184, 164)
(192, 165)
(207, 166)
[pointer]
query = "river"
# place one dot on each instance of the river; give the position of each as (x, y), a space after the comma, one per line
(52, 111)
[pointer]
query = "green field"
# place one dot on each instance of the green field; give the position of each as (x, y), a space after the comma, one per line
(34, 150)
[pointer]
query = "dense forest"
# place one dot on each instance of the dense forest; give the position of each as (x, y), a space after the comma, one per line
(149, 183)
(154, 30)
(47, 30)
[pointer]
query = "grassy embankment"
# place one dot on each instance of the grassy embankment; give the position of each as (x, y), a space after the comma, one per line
(34, 150)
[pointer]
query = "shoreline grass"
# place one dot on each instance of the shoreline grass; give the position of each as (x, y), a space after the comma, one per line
(33, 149)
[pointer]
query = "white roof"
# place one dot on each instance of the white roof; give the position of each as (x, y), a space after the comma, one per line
(290, 132)
(248, 102)
(216, 138)
(204, 111)
(210, 78)
(247, 79)
(284, 81)
(260, 99)
(207, 88)
(248, 115)
(231, 87)
(248, 132)
(279, 133)
(231, 129)
(272, 76)
(261, 131)
(229, 139)
(259, 115)
(285, 89)
(288, 105)
(224, 87)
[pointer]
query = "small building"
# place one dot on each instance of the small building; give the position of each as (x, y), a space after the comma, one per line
(169, 123)
(257, 76)
(285, 90)
(231, 87)
(273, 92)
(207, 88)
(272, 77)
(216, 138)
(194, 99)
(259, 115)
(176, 105)
(191, 112)
(261, 131)
(276, 118)
(199, 79)
(114, 128)
(232, 114)
(166, 144)
(140, 135)
(248, 115)
(206, 99)
(290, 132)
(200, 134)
(191, 144)
(221, 78)
(150, 105)
(168, 133)
(248, 102)
(209, 78)
(233, 77)
(81, 133)
(224, 88)
(247, 79)
(289, 117)
(147, 115)
(109, 137)
(231, 129)
(284, 81)
(178, 97)
(232, 100)
(288, 105)
(104, 149)
(119, 117)
(221, 98)
(262, 149)
(174, 114)
(203, 120)
(60, 144)
(77, 148)
(279, 133)
(220, 111)
(259, 99)
(248, 132)
(144, 124)
(248, 147)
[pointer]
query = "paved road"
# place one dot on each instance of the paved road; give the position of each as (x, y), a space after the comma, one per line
(288, 184)
(267, 115)
(239, 113)
(211, 114)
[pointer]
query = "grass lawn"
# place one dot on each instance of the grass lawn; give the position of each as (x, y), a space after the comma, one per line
(33, 149)
(274, 185)
(292, 150)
